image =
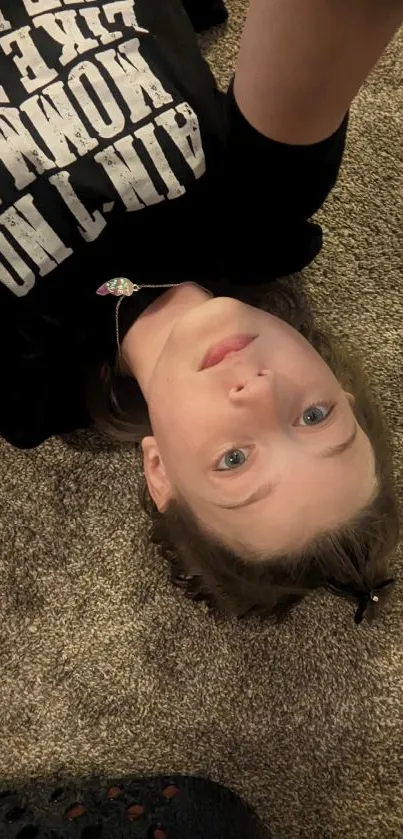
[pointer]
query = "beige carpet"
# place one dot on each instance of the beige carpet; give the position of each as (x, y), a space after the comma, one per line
(105, 668)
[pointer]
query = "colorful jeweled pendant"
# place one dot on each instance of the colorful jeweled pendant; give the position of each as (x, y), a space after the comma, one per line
(119, 287)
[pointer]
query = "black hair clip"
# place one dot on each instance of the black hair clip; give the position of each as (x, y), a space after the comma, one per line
(365, 598)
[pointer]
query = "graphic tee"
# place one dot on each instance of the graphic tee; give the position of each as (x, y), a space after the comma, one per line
(100, 106)
(111, 146)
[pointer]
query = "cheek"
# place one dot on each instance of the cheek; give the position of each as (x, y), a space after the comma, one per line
(179, 419)
(303, 364)
(290, 349)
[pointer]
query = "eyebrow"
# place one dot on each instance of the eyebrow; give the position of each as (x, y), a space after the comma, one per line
(262, 492)
(266, 489)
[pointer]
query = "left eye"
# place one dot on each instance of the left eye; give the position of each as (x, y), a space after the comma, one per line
(232, 459)
(315, 415)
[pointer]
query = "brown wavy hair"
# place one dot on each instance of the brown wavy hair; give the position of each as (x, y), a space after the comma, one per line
(352, 561)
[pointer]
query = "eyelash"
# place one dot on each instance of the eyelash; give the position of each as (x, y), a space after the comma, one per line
(231, 449)
(329, 406)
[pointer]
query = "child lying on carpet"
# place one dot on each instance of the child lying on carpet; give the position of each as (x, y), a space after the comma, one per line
(121, 163)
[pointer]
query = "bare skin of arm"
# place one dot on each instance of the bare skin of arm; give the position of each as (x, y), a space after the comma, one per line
(301, 62)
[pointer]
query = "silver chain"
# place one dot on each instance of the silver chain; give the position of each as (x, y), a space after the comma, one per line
(135, 289)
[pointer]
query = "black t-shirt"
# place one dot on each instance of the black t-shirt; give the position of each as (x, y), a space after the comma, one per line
(112, 135)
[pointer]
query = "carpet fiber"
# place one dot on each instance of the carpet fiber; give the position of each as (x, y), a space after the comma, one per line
(105, 669)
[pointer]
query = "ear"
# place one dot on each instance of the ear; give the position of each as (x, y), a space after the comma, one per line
(350, 398)
(159, 485)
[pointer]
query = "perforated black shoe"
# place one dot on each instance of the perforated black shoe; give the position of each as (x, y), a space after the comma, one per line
(171, 807)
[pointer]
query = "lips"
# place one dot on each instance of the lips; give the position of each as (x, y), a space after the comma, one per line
(219, 351)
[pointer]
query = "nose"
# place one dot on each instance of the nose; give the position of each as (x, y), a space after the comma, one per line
(254, 390)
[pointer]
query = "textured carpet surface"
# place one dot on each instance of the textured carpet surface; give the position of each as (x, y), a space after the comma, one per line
(107, 670)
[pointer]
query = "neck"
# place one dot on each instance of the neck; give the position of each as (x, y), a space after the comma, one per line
(145, 340)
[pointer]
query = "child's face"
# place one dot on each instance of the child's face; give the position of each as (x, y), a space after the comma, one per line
(263, 445)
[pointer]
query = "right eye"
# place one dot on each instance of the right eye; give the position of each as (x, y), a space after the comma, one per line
(315, 414)
(232, 459)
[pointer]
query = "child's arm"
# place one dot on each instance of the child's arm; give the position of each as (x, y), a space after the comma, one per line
(301, 62)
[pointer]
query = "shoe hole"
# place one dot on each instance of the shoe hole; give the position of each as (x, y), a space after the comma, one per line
(113, 793)
(75, 811)
(135, 812)
(157, 832)
(170, 792)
